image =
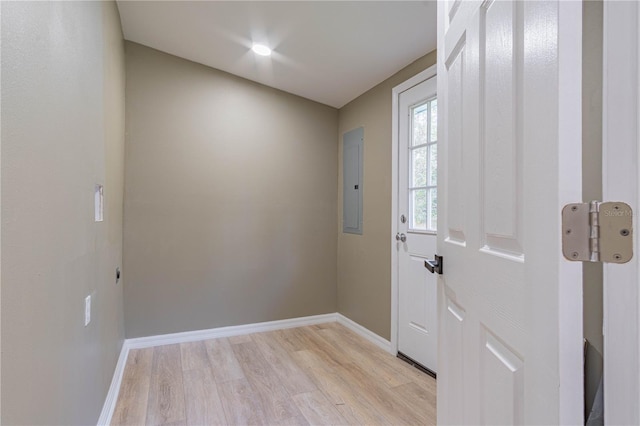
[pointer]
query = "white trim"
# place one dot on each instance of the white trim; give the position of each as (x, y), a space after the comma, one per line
(414, 81)
(620, 160)
(234, 330)
(381, 342)
(395, 94)
(112, 396)
(570, 316)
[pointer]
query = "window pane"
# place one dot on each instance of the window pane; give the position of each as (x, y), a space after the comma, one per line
(418, 210)
(433, 210)
(419, 167)
(419, 120)
(433, 165)
(434, 121)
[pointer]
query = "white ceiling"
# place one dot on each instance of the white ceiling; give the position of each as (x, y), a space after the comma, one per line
(327, 51)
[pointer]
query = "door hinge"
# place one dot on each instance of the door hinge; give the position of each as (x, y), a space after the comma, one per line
(597, 232)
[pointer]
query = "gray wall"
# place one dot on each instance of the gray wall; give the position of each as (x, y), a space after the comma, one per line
(364, 261)
(62, 132)
(592, 186)
(230, 199)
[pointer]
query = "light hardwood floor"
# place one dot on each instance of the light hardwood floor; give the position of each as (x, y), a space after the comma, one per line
(317, 375)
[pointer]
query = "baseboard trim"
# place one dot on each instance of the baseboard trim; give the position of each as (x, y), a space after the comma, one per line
(114, 390)
(364, 332)
(235, 330)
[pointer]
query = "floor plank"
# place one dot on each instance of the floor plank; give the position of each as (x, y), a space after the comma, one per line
(294, 421)
(276, 402)
(203, 403)
(241, 406)
(362, 355)
(223, 361)
(292, 377)
(317, 409)
(194, 356)
(138, 364)
(347, 397)
(234, 340)
(288, 341)
(308, 339)
(384, 399)
(166, 394)
(400, 368)
(131, 407)
(417, 396)
(319, 375)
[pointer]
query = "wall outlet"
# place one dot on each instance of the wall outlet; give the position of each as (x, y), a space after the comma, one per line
(87, 310)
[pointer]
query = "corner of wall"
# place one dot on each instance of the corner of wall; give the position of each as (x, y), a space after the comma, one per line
(62, 97)
(364, 261)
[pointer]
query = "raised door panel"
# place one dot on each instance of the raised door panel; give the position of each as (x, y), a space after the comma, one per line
(501, 162)
(455, 194)
(453, 6)
(452, 352)
(418, 316)
(419, 304)
(502, 383)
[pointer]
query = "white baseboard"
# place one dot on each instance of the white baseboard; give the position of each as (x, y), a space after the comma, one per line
(112, 396)
(364, 332)
(235, 330)
(193, 336)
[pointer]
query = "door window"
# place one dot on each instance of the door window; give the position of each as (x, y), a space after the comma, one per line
(423, 168)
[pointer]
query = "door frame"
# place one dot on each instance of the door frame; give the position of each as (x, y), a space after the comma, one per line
(395, 129)
(620, 177)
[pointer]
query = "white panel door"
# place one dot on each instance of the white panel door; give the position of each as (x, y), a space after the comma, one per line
(417, 201)
(621, 182)
(509, 305)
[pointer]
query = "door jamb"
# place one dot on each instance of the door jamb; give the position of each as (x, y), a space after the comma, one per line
(395, 94)
(621, 109)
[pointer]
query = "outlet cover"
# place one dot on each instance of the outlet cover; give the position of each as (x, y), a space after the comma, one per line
(87, 310)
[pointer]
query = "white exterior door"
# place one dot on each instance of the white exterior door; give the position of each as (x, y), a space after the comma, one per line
(621, 182)
(417, 204)
(509, 304)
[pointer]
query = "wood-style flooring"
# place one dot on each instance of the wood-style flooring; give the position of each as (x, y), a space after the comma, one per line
(317, 375)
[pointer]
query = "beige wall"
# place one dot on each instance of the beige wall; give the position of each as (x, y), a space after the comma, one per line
(364, 261)
(230, 200)
(62, 132)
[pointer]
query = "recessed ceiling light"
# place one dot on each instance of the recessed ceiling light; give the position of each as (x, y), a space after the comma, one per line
(261, 49)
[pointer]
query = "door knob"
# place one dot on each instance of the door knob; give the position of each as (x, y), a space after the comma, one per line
(401, 237)
(435, 265)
